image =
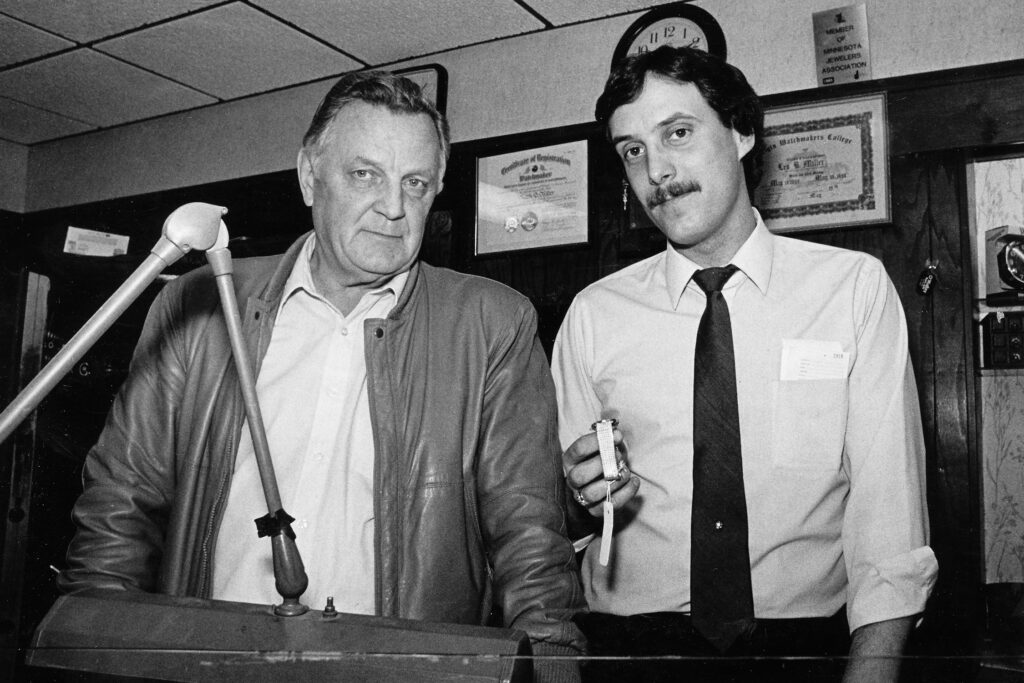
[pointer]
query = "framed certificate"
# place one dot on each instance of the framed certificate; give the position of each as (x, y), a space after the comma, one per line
(532, 197)
(826, 165)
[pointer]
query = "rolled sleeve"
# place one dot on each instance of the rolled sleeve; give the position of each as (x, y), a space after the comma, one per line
(578, 404)
(896, 587)
(891, 570)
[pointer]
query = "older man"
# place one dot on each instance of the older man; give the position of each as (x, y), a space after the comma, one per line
(408, 409)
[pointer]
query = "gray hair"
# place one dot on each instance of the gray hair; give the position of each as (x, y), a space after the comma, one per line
(381, 88)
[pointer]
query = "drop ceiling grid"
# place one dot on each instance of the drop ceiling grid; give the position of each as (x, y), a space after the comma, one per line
(70, 66)
(93, 88)
(87, 20)
(31, 124)
(382, 31)
(22, 42)
(229, 52)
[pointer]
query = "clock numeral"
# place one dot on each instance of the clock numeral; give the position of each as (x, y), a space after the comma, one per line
(686, 27)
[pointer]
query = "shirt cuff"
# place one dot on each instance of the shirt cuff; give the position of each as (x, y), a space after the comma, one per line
(897, 587)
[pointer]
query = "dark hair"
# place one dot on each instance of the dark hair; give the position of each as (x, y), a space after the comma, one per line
(382, 88)
(722, 85)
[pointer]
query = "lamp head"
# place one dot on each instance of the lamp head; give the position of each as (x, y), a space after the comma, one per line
(195, 226)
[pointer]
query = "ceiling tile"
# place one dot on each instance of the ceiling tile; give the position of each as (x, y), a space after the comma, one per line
(22, 42)
(560, 12)
(27, 125)
(97, 89)
(229, 52)
(88, 20)
(412, 28)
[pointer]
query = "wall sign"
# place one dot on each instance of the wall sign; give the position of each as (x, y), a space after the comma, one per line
(841, 45)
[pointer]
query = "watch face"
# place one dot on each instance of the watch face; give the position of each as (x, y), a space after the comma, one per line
(674, 31)
(1011, 264)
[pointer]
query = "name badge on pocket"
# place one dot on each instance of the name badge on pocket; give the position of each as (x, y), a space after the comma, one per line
(809, 359)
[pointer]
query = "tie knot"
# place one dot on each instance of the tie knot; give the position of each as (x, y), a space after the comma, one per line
(713, 279)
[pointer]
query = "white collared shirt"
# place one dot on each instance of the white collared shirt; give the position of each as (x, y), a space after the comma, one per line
(833, 460)
(313, 397)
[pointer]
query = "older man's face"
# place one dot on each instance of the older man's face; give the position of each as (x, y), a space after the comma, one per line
(370, 186)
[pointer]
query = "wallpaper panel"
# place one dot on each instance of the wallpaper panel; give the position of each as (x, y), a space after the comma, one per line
(999, 200)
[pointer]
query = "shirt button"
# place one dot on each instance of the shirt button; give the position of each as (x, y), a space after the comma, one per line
(319, 455)
(378, 333)
(344, 332)
(302, 524)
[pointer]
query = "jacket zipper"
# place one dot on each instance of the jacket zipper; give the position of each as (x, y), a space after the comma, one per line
(204, 571)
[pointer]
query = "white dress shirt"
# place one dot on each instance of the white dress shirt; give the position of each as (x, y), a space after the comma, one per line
(313, 397)
(833, 452)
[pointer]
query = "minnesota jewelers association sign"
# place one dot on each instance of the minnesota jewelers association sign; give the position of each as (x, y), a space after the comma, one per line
(841, 45)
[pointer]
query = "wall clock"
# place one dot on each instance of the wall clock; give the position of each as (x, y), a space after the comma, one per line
(679, 24)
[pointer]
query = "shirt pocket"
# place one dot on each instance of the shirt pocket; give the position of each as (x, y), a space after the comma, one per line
(809, 423)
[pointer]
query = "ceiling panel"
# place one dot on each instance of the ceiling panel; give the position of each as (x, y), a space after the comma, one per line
(560, 12)
(87, 64)
(88, 20)
(27, 125)
(382, 31)
(23, 42)
(229, 52)
(94, 88)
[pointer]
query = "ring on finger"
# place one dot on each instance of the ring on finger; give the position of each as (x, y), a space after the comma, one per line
(580, 499)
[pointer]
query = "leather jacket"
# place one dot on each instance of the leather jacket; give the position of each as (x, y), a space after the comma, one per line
(468, 482)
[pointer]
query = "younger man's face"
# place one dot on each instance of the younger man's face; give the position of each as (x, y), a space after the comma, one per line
(685, 166)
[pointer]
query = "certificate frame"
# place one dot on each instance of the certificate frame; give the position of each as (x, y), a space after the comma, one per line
(826, 165)
(532, 193)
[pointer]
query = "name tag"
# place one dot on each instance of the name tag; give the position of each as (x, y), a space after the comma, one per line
(810, 359)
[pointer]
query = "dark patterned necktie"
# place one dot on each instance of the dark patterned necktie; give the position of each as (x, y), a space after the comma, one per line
(721, 598)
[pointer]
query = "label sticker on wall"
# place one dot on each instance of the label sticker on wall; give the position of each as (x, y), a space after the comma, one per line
(94, 243)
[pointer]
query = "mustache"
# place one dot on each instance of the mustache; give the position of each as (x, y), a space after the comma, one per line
(663, 193)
